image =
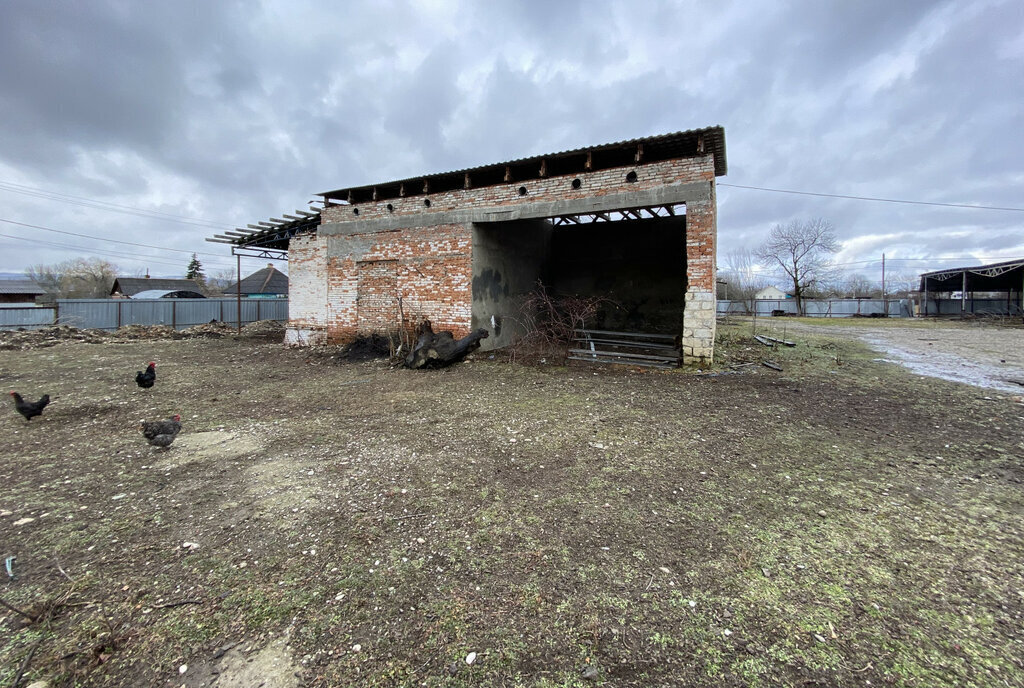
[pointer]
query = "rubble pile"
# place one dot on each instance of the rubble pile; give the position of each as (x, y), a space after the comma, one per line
(51, 336)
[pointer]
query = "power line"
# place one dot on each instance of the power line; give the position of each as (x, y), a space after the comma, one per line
(113, 241)
(871, 198)
(105, 205)
(113, 254)
(849, 265)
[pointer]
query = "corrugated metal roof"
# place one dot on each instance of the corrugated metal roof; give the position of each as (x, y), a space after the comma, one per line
(1004, 276)
(168, 293)
(1009, 264)
(20, 286)
(269, 280)
(130, 286)
(678, 144)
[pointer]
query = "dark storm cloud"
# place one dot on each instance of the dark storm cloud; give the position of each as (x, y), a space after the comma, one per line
(239, 111)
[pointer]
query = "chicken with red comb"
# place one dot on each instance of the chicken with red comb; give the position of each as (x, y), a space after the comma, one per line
(148, 378)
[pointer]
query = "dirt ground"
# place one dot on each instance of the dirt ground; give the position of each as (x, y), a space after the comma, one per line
(975, 352)
(843, 522)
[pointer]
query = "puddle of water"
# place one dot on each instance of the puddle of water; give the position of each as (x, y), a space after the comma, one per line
(945, 366)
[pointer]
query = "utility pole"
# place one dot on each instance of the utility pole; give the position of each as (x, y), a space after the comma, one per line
(885, 304)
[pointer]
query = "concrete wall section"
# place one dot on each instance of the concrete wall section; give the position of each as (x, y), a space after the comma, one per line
(307, 302)
(508, 260)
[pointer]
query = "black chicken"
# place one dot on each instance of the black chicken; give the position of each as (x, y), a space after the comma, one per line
(161, 433)
(146, 379)
(30, 409)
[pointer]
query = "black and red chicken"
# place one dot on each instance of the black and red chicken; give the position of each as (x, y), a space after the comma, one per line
(161, 433)
(30, 409)
(147, 378)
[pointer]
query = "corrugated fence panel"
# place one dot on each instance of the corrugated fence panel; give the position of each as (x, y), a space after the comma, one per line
(192, 312)
(978, 306)
(146, 311)
(109, 314)
(29, 317)
(98, 314)
(818, 308)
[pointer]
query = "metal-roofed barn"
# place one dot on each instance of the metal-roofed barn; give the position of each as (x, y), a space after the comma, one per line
(989, 282)
(633, 222)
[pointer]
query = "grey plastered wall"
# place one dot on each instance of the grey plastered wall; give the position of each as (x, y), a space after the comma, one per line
(508, 259)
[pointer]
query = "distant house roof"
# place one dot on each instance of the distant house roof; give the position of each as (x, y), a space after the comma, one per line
(20, 286)
(130, 286)
(269, 280)
(167, 294)
(771, 293)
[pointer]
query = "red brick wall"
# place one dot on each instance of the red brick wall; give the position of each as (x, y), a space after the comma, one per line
(429, 268)
(600, 183)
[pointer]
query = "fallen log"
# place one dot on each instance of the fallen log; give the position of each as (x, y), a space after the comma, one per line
(773, 366)
(440, 349)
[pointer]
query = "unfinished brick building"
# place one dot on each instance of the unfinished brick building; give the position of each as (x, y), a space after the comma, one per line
(633, 222)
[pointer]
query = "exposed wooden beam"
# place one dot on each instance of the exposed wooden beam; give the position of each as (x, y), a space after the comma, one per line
(305, 214)
(278, 220)
(401, 190)
(375, 193)
(291, 217)
(350, 198)
(508, 174)
(426, 186)
(589, 164)
(639, 152)
(700, 144)
(256, 227)
(243, 229)
(268, 224)
(219, 241)
(543, 168)
(467, 183)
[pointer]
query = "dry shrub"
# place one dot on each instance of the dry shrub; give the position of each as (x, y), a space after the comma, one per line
(548, 323)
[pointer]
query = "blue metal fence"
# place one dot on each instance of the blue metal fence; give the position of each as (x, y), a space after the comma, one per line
(818, 308)
(28, 317)
(109, 314)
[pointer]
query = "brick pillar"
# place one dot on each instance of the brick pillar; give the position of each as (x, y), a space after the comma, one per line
(307, 291)
(699, 311)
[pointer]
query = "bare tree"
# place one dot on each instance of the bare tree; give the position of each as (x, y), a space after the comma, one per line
(858, 286)
(801, 250)
(76, 278)
(741, 274)
(902, 285)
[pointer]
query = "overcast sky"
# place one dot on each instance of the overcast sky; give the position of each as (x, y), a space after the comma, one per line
(195, 117)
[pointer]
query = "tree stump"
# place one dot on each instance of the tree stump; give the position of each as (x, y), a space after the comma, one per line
(440, 349)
